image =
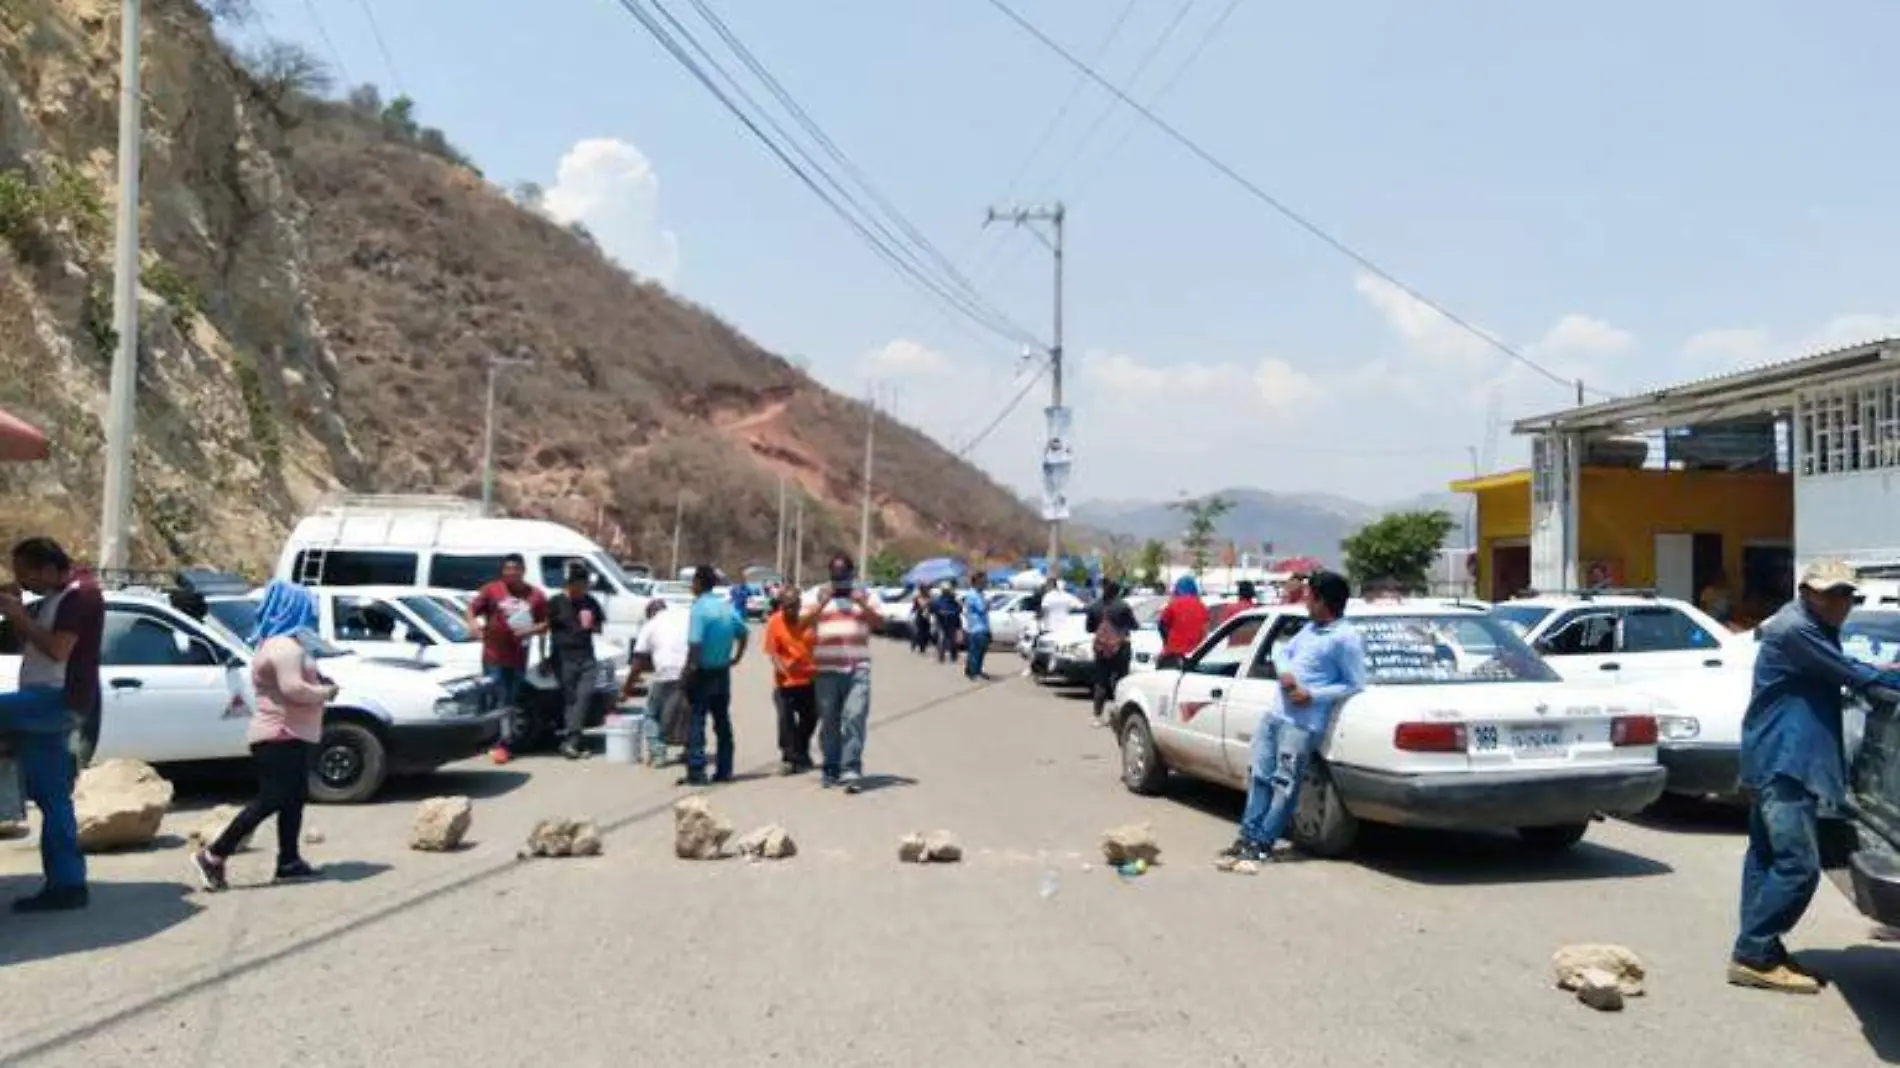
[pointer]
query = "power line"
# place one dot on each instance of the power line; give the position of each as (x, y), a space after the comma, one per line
(877, 236)
(323, 34)
(1028, 384)
(389, 61)
(1336, 244)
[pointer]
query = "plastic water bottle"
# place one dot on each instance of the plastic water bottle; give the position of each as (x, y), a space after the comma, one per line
(1050, 883)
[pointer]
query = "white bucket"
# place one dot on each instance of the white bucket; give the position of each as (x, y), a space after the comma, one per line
(626, 736)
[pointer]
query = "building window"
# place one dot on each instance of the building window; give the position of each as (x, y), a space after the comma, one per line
(1850, 428)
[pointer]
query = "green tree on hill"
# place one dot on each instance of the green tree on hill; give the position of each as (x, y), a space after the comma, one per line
(1397, 548)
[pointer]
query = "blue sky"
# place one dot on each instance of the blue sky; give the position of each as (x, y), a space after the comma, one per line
(1634, 193)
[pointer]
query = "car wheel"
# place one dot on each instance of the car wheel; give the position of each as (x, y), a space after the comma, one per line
(1553, 839)
(350, 765)
(1143, 770)
(1321, 825)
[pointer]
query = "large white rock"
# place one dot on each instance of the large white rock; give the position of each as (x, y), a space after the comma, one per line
(699, 833)
(1620, 963)
(1600, 990)
(771, 842)
(441, 824)
(936, 847)
(563, 838)
(120, 804)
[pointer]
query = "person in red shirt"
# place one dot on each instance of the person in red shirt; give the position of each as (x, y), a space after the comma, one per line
(1247, 596)
(1183, 623)
(506, 613)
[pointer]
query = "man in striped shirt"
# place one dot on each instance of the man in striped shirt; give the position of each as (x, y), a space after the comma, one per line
(841, 648)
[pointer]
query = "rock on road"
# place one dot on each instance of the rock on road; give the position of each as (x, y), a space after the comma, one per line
(1425, 950)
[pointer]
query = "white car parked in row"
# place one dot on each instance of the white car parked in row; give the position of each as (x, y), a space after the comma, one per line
(1462, 726)
(1697, 671)
(177, 690)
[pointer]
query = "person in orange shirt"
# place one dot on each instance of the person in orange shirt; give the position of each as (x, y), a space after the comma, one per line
(789, 644)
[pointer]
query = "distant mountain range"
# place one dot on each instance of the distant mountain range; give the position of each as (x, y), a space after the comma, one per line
(1297, 524)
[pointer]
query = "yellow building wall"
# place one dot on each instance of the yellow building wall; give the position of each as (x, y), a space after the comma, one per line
(1623, 509)
(1504, 516)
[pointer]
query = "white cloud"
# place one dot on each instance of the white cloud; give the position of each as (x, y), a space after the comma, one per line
(1426, 332)
(1577, 335)
(1738, 349)
(609, 186)
(902, 358)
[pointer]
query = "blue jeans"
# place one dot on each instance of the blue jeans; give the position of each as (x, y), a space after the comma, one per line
(711, 694)
(660, 694)
(509, 681)
(1780, 871)
(979, 644)
(844, 716)
(40, 728)
(1280, 755)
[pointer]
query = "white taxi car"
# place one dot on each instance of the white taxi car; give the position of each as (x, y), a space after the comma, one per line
(177, 690)
(1462, 726)
(1698, 672)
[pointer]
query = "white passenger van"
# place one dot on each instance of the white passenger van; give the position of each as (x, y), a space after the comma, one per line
(448, 543)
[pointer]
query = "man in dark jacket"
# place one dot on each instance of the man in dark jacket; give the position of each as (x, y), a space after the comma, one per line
(574, 617)
(1112, 623)
(1794, 768)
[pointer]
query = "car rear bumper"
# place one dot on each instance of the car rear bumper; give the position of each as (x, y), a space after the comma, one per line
(424, 746)
(1702, 768)
(1496, 800)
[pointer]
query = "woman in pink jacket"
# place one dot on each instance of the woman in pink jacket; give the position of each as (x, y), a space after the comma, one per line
(284, 731)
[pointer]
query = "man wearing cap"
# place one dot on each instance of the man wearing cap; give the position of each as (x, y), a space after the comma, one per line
(1794, 768)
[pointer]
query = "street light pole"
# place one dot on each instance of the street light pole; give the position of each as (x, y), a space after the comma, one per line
(115, 538)
(495, 363)
(679, 516)
(1056, 216)
(864, 522)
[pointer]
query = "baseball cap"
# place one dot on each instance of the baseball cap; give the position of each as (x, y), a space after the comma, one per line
(1830, 576)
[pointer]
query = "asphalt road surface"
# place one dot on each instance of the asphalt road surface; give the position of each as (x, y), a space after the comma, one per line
(1423, 950)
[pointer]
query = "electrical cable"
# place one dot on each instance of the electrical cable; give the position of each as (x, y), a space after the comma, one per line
(323, 34)
(871, 230)
(1276, 204)
(382, 46)
(1028, 384)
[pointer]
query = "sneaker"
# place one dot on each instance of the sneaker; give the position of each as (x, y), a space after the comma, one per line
(500, 754)
(690, 780)
(210, 871)
(853, 782)
(830, 782)
(55, 899)
(294, 872)
(1795, 966)
(571, 749)
(1776, 977)
(788, 767)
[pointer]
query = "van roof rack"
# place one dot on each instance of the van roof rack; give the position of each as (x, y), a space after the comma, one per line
(433, 503)
(1592, 593)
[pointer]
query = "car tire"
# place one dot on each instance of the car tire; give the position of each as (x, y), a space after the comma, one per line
(1143, 770)
(1553, 839)
(1321, 825)
(350, 765)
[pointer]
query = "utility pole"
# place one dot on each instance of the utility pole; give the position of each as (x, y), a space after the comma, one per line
(679, 515)
(1056, 216)
(864, 523)
(495, 364)
(115, 534)
(798, 548)
(779, 563)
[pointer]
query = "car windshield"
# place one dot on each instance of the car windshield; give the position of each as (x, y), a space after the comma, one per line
(437, 617)
(1872, 635)
(1147, 610)
(672, 589)
(1438, 649)
(1522, 618)
(235, 618)
(611, 568)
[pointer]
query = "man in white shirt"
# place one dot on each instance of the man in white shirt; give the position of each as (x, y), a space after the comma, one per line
(661, 650)
(1057, 604)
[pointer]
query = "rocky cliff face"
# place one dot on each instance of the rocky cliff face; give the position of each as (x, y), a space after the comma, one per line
(320, 301)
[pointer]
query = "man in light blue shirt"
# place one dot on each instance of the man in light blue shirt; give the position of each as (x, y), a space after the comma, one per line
(715, 643)
(976, 626)
(1325, 664)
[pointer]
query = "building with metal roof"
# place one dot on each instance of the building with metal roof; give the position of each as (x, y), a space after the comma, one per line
(1812, 444)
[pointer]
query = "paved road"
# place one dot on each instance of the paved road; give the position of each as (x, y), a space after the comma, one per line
(1427, 950)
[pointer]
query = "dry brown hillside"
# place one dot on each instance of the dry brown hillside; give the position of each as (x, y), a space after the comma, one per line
(323, 290)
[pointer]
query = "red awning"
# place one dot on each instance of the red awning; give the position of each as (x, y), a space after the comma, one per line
(19, 441)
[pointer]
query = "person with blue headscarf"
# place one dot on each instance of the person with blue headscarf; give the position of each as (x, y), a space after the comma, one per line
(1182, 622)
(286, 724)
